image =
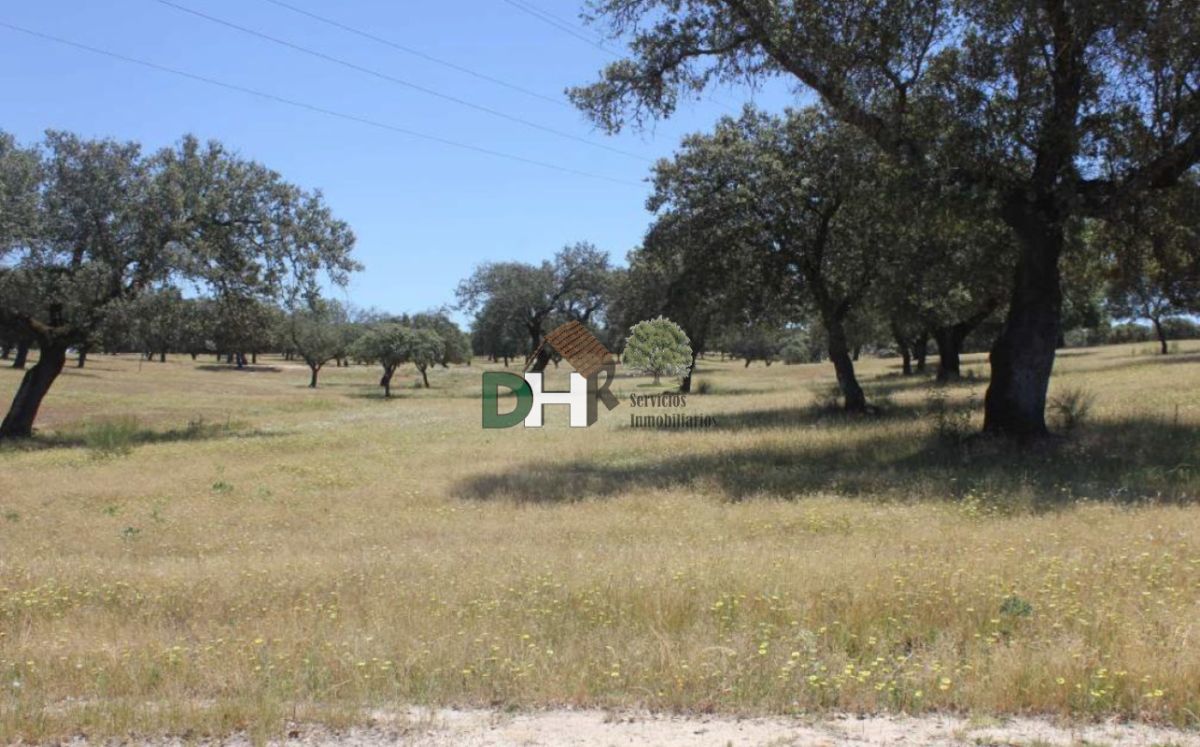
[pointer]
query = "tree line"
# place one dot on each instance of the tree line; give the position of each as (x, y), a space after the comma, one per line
(1010, 176)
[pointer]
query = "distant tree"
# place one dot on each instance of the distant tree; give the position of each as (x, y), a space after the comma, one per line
(802, 346)
(197, 327)
(497, 335)
(1056, 110)
(156, 321)
(693, 270)
(425, 349)
(316, 333)
(571, 287)
(389, 345)
(755, 342)
(98, 223)
(658, 347)
(946, 272)
(456, 344)
(1154, 258)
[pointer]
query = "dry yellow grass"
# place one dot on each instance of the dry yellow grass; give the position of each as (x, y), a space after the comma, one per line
(266, 552)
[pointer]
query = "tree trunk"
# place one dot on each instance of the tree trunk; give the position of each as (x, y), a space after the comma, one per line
(386, 381)
(542, 360)
(82, 359)
(312, 383)
(685, 384)
(254, 359)
(905, 350)
(34, 385)
(949, 343)
(657, 379)
(22, 354)
(1023, 355)
(1162, 334)
(194, 355)
(921, 351)
(843, 365)
(162, 356)
(425, 377)
(4, 351)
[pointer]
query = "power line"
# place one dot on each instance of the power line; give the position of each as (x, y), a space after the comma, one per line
(417, 53)
(559, 24)
(549, 18)
(311, 107)
(401, 81)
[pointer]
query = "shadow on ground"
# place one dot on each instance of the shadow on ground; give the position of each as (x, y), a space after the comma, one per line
(244, 369)
(1124, 461)
(84, 438)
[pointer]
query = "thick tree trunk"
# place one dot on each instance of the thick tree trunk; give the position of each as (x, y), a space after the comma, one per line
(1162, 334)
(386, 382)
(254, 359)
(949, 342)
(36, 382)
(162, 356)
(312, 382)
(425, 377)
(843, 365)
(921, 351)
(82, 359)
(22, 354)
(1023, 355)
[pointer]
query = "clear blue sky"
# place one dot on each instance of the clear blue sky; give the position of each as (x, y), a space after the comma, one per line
(425, 213)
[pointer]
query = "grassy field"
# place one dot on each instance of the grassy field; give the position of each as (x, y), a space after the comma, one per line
(196, 550)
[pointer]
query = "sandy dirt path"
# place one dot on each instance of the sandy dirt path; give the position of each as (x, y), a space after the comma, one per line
(484, 728)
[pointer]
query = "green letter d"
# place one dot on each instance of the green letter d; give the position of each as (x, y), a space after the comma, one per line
(492, 381)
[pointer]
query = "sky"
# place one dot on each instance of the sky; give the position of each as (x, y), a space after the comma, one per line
(425, 213)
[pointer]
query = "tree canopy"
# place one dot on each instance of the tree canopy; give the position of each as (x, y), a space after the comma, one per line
(1055, 111)
(90, 225)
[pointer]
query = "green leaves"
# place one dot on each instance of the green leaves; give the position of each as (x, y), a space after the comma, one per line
(658, 347)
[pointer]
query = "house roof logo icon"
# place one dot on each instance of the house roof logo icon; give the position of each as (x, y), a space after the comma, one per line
(577, 346)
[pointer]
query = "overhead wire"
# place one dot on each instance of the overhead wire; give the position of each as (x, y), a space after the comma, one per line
(400, 81)
(310, 107)
(417, 53)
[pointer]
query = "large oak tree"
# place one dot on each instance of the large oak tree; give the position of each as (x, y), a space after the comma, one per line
(805, 206)
(1058, 109)
(90, 225)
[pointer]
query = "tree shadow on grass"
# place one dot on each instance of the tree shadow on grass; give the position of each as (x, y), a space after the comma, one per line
(253, 368)
(89, 436)
(1125, 461)
(1146, 361)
